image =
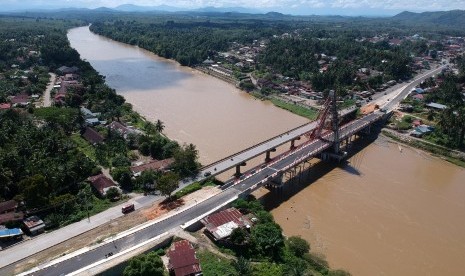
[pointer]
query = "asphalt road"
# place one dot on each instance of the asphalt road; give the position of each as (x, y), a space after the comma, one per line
(250, 182)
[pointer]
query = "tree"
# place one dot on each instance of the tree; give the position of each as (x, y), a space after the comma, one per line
(185, 161)
(239, 236)
(242, 266)
(145, 265)
(267, 238)
(159, 126)
(168, 183)
(113, 193)
(36, 191)
(297, 246)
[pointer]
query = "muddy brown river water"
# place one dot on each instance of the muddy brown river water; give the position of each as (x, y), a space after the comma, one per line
(388, 212)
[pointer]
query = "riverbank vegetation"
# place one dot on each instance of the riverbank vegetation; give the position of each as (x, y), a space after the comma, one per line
(45, 162)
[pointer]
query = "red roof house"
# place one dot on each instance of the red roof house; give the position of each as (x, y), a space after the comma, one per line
(220, 225)
(156, 165)
(92, 136)
(101, 183)
(182, 259)
(5, 106)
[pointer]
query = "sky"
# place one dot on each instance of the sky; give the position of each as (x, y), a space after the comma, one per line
(307, 7)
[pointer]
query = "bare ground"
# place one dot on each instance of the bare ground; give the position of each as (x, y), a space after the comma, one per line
(98, 234)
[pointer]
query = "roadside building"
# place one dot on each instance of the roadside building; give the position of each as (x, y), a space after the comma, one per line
(436, 106)
(8, 206)
(101, 184)
(4, 106)
(182, 259)
(21, 100)
(220, 225)
(92, 136)
(155, 165)
(34, 225)
(10, 234)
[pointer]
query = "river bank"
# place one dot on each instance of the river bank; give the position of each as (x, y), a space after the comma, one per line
(452, 156)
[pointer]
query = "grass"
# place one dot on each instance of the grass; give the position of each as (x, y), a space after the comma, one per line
(308, 113)
(84, 146)
(192, 188)
(215, 265)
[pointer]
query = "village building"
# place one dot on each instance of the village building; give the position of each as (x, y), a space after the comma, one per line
(4, 106)
(155, 165)
(34, 225)
(92, 136)
(220, 225)
(436, 106)
(101, 184)
(10, 234)
(121, 129)
(67, 70)
(21, 100)
(182, 259)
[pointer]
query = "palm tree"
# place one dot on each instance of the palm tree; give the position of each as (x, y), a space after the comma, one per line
(159, 126)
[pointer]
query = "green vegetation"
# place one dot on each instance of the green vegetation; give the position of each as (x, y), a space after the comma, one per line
(192, 188)
(215, 265)
(149, 264)
(309, 112)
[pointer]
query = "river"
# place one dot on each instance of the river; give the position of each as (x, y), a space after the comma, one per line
(389, 212)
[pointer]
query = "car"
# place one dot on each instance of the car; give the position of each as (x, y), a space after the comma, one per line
(207, 174)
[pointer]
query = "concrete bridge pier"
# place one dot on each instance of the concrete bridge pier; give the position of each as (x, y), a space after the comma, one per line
(293, 142)
(268, 153)
(238, 169)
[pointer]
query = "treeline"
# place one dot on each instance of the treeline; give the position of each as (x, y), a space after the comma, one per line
(451, 121)
(43, 160)
(189, 43)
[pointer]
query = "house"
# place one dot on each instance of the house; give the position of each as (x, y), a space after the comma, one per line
(182, 259)
(8, 206)
(34, 225)
(418, 97)
(92, 121)
(416, 122)
(92, 136)
(11, 217)
(421, 130)
(88, 114)
(437, 106)
(21, 100)
(101, 184)
(67, 70)
(4, 106)
(15, 233)
(121, 129)
(220, 225)
(156, 165)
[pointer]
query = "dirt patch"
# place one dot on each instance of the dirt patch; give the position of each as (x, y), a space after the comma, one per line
(111, 228)
(93, 236)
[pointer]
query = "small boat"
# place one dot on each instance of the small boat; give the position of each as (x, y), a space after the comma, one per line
(400, 148)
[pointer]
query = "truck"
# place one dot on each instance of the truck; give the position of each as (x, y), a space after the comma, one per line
(128, 208)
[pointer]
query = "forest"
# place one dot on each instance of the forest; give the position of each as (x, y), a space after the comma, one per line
(44, 162)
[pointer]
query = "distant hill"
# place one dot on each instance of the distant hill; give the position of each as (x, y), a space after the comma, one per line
(227, 9)
(450, 18)
(136, 8)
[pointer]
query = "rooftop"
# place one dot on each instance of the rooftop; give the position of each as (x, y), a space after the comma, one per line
(221, 224)
(153, 165)
(182, 259)
(92, 136)
(101, 183)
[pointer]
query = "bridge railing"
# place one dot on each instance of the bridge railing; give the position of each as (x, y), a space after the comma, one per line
(343, 113)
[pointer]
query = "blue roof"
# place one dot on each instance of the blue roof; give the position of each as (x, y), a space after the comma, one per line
(10, 232)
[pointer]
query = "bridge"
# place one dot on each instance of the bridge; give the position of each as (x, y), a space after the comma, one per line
(325, 138)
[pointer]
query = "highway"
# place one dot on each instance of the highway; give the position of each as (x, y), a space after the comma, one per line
(248, 183)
